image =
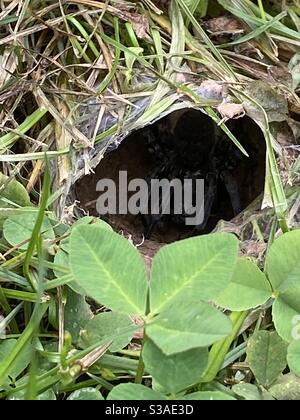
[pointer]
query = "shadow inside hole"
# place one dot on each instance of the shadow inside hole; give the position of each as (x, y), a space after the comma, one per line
(176, 146)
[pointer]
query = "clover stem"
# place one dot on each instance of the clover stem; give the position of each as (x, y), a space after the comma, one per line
(220, 349)
(141, 365)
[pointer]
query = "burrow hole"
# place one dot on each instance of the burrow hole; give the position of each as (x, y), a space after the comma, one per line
(183, 142)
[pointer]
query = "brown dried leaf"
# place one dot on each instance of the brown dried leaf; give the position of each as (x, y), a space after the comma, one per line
(280, 75)
(210, 89)
(140, 25)
(224, 25)
(230, 110)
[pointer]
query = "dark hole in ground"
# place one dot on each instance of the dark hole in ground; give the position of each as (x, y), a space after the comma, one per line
(186, 144)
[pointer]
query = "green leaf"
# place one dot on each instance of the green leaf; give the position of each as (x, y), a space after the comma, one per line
(48, 395)
(177, 372)
(6, 212)
(90, 394)
(130, 60)
(207, 396)
(252, 392)
(266, 355)
(77, 314)
(62, 259)
(21, 362)
(92, 221)
(62, 255)
(248, 288)
(286, 310)
(283, 262)
(109, 269)
(195, 269)
(287, 388)
(191, 325)
(198, 6)
(293, 357)
(83, 221)
(14, 191)
(18, 228)
(60, 229)
(106, 324)
(134, 392)
(13, 356)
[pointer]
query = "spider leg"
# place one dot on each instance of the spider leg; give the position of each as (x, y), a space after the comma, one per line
(209, 198)
(149, 220)
(233, 191)
(153, 221)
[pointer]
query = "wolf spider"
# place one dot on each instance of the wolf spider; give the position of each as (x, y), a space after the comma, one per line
(207, 155)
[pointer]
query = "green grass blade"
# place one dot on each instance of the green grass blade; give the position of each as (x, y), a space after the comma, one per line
(36, 231)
